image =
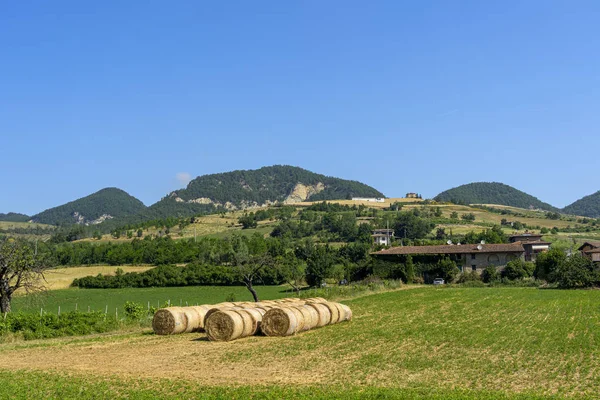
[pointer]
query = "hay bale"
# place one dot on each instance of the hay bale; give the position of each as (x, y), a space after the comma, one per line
(335, 314)
(312, 320)
(255, 316)
(225, 304)
(215, 309)
(316, 300)
(224, 325)
(279, 322)
(347, 312)
(307, 318)
(193, 319)
(201, 310)
(324, 314)
(299, 318)
(169, 321)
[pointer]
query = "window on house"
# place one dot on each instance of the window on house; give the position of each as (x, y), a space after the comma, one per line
(474, 267)
(472, 256)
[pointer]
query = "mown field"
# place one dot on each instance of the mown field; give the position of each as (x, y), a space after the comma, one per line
(450, 343)
(100, 299)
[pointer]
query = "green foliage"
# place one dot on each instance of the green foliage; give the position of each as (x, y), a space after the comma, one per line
(410, 269)
(112, 201)
(588, 206)
(494, 235)
(134, 311)
(518, 269)
(490, 274)
(319, 262)
(577, 271)
(471, 276)
(410, 226)
(468, 217)
(445, 269)
(14, 217)
(548, 263)
(36, 326)
(491, 193)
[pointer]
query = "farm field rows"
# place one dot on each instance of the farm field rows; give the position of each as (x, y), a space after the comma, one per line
(456, 343)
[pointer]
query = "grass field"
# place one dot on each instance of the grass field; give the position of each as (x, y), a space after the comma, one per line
(100, 299)
(451, 343)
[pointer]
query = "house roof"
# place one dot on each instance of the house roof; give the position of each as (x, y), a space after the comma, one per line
(593, 251)
(535, 242)
(592, 243)
(516, 247)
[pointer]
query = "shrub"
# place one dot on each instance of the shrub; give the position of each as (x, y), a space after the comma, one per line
(490, 274)
(134, 311)
(469, 277)
(518, 269)
(577, 271)
(547, 264)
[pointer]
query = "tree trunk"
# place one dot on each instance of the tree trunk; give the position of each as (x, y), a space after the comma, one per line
(5, 304)
(251, 289)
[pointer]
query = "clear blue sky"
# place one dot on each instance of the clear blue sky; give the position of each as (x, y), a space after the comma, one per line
(404, 96)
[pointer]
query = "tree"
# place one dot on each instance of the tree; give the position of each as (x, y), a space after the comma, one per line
(20, 267)
(248, 267)
(446, 269)
(548, 263)
(577, 271)
(248, 221)
(490, 274)
(454, 215)
(292, 270)
(408, 225)
(318, 265)
(468, 217)
(140, 232)
(518, 269)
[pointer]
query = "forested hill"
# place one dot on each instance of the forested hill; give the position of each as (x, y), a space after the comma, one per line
(588, 206)
(492, 193)
(14, 217)
(248, 188)
(105, 204)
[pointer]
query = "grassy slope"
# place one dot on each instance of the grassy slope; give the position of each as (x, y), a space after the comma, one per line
(420, 343)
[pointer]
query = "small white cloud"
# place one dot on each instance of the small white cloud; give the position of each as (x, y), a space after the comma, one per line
(183, 178)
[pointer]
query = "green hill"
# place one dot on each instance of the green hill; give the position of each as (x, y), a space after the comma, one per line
(249, 188)
(14, 217)
(492, 193)
(107, 203)
(588, 206)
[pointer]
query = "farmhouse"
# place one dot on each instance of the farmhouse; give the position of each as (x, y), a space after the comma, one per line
(468, 257)
(532, 243)
(412, 195)
(383, 237)
(591, 250)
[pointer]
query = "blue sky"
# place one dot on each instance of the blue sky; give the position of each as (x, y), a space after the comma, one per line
(404, 96)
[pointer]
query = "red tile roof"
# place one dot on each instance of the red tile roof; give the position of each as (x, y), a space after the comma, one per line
(516, 247)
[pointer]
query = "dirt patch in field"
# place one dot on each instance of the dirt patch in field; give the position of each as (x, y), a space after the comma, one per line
(184, 356)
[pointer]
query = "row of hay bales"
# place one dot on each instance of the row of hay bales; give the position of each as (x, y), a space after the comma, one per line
(229, 321)
(175, 320)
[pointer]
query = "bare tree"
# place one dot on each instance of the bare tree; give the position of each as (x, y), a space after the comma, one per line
(20, 267)
(248, 267)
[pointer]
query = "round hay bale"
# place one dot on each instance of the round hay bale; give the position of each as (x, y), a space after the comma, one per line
(312, 320)
(215, 309)
(347, 312)
(335, 314)
(247, 305)
(225, 304)
(248, 322)
(307, 318)
(256, 317)
(201, 310)
(194, 320)
(316, 300)
(279, 322)
(324, 314)
(224, 325)
(341, 311)
(169, 321)
(299, 318)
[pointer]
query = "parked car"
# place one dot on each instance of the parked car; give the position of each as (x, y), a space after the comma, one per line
(438, 281)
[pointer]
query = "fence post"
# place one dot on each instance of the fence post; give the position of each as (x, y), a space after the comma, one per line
(75, 306)
(59, 311)
(41, 312)
(117, 313)
(88, 308)
(148, 306)
(169, 302)
(106, 309)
